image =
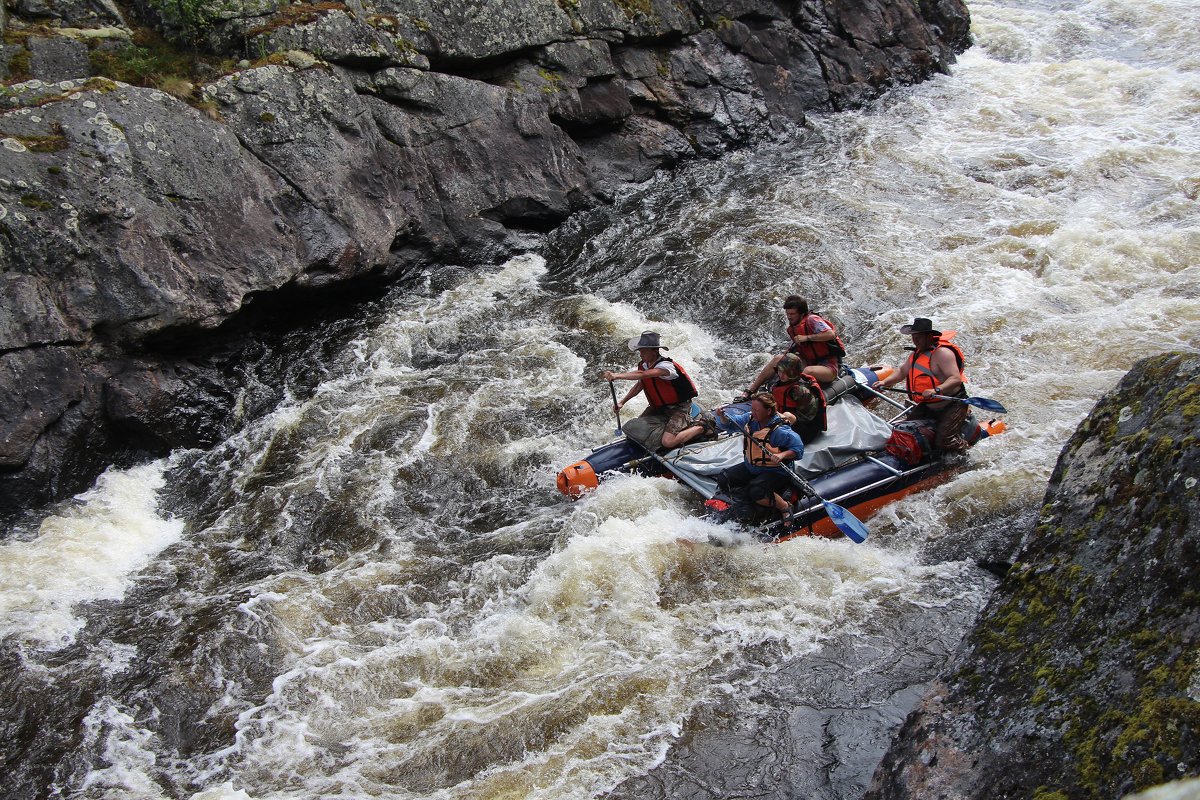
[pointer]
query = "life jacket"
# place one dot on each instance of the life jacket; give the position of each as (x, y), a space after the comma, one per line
(808, 428)
(920, 370)
(664, 391)
(813, 352)
(755, 445)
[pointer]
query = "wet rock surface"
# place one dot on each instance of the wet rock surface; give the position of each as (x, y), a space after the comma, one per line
(1080, 679)
(813, 727)
(362, 143)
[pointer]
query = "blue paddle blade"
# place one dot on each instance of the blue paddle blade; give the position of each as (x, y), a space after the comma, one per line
(846, 522)
(985, 403)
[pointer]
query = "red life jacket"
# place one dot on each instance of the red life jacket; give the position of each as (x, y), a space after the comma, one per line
(814, 352)
(784, 402)
(664, 391)
(920, 370)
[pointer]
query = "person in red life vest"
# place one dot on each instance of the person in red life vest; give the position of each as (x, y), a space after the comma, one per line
(667, 421)
(934, 368)
(767, 442)
(811, 337)
(798, 398)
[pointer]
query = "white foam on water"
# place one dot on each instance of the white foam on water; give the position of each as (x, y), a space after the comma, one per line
(129, 751)
(88, 552)
(1041, 200)
(547, 678)
(224, 791)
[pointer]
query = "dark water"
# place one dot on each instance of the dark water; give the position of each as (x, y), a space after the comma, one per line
(375, 591)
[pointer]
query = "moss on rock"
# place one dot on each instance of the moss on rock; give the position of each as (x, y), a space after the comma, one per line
(1079, 680)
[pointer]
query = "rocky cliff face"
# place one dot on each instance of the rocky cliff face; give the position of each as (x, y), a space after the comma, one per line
(1082, 678)
(362, 140)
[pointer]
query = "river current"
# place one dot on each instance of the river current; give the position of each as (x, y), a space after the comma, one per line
(376, 591)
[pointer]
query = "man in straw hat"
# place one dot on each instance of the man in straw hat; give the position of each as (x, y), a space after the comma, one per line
(934, 368)
(667, 420)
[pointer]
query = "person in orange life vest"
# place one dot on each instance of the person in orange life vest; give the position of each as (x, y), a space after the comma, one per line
(768, 441)
(811, 337)
(667, 420)
(934, 368)
(798, 398)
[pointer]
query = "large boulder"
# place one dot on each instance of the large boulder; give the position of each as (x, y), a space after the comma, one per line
(1082, 677)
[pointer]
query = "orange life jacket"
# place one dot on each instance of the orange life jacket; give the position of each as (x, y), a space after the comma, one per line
(755, 445)
(784, 402)
(920, 370)
(665, 391)
(813, 352)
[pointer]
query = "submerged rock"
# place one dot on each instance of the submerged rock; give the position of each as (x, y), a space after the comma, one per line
(1082, 676)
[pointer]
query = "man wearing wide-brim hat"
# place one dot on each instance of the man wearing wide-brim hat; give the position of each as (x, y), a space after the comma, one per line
(934, 370)
(667, 420)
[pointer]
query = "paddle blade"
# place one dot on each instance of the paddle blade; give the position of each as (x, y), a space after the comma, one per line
(846, 522)
(986, 404)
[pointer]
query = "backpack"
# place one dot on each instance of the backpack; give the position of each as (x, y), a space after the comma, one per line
(909, 442)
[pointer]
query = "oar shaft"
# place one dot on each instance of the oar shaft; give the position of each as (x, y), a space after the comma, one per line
(612, 388)
(979, 402)
(803, 484)
(683, 476)
(845, 522)
(884, 397)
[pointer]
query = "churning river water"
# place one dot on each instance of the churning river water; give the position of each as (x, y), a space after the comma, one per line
(376, 591)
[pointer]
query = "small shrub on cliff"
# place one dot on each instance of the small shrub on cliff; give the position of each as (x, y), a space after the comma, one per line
(634, 8)
(53, 143)
(294, 15)
(152, 62)
(144, 62)
(18, 66)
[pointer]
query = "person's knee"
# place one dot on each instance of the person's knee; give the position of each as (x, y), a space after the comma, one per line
(821, 374)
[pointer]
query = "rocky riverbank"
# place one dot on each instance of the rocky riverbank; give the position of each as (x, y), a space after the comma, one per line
(307, 149)
(1082, 677)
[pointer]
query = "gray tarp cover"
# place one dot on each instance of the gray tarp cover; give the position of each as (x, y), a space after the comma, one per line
(852, 431)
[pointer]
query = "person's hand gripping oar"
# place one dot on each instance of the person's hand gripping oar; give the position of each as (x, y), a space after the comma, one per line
(986, 403)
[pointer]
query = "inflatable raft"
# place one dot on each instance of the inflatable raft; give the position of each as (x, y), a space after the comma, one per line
(862, 462)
